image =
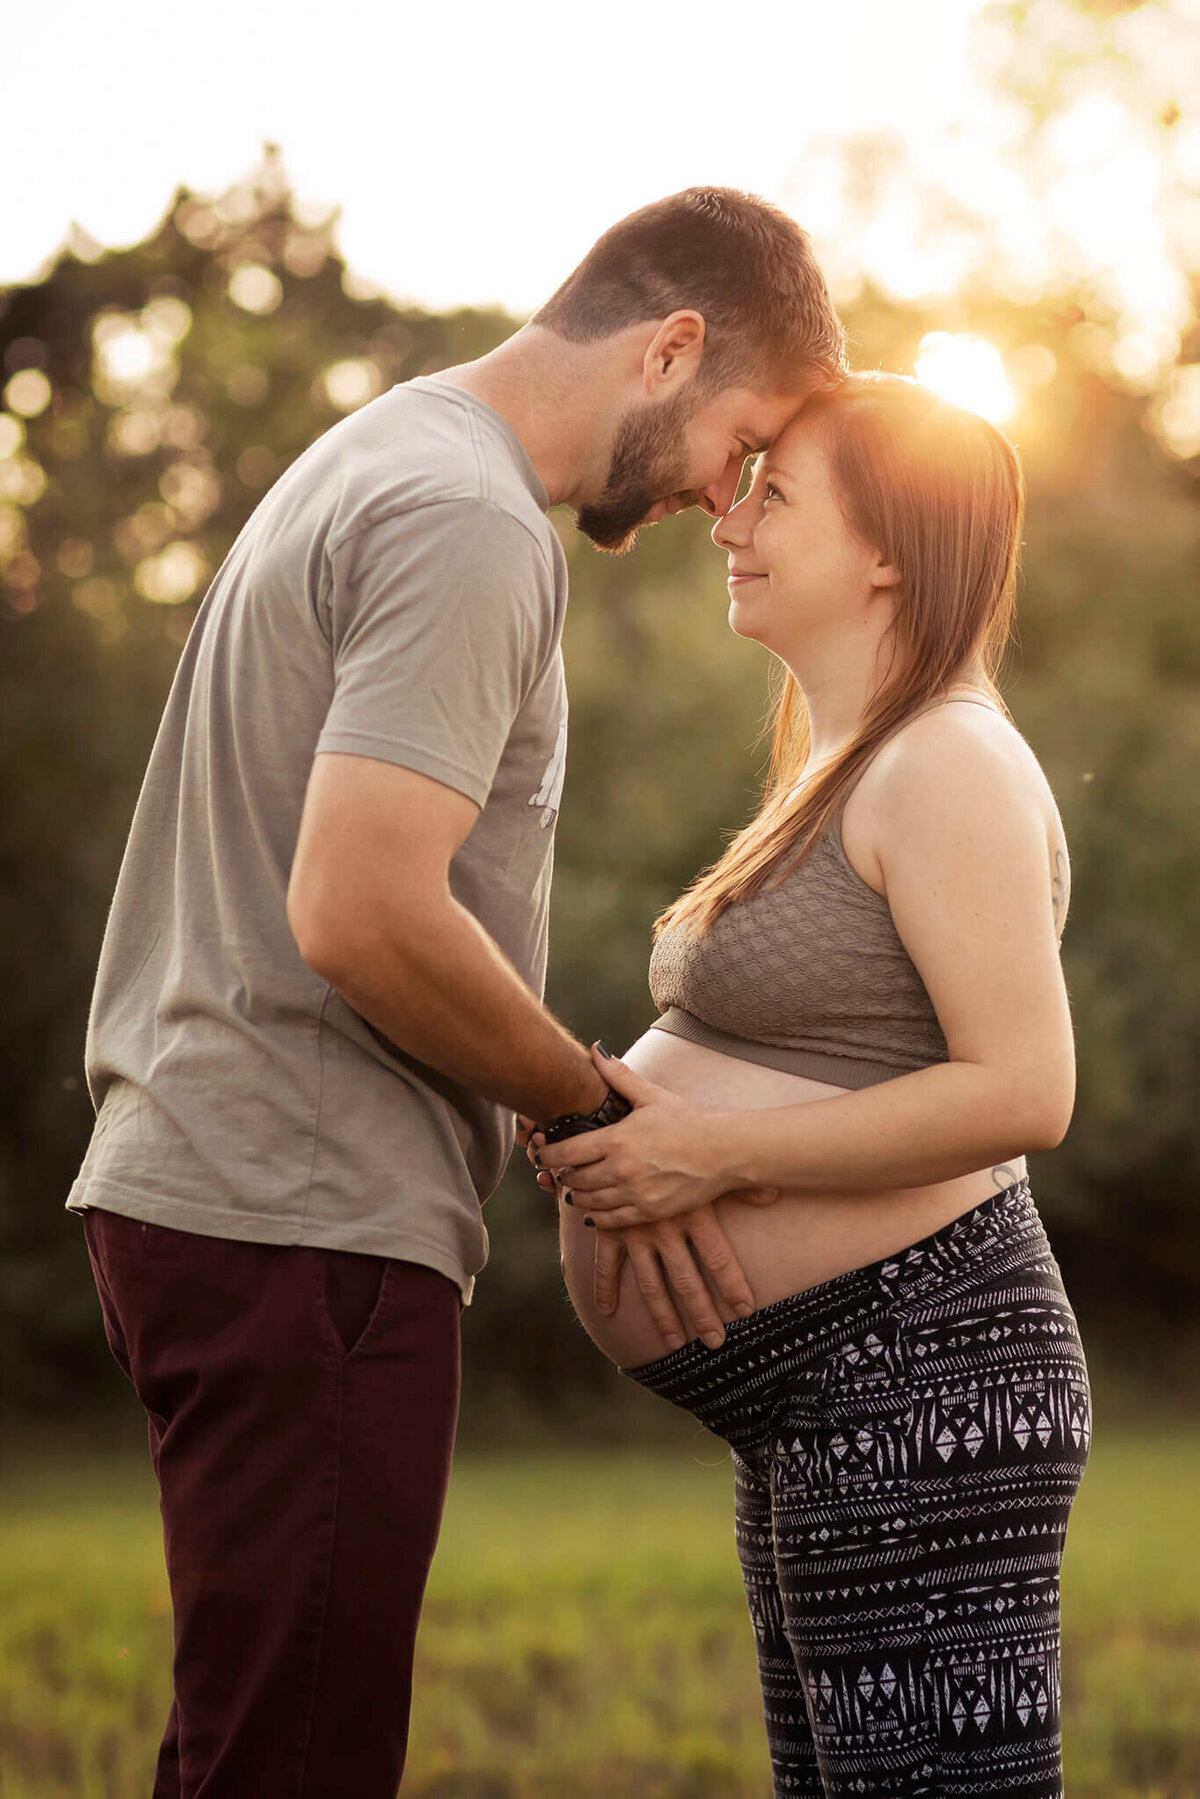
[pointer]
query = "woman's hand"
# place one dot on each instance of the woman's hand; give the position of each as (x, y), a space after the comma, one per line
(663, 1160)
(683, 1269)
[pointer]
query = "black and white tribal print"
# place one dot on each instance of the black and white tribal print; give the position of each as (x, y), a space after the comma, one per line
(907, 1441)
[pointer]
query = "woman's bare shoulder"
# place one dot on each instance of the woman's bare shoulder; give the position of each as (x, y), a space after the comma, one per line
(955, 750)
(960, 766)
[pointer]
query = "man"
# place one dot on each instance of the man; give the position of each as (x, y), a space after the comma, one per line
(318, 1005)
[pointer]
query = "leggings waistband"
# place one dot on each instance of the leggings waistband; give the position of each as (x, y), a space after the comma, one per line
(728, 1388)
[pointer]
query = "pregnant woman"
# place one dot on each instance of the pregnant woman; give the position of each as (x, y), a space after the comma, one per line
(863, 1011)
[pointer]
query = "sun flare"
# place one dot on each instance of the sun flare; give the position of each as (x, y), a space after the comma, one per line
(968, 372)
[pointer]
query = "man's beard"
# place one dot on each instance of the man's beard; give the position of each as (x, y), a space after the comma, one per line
(649, 462)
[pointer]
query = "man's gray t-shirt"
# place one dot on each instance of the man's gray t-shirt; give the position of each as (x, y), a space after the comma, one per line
(399, 594)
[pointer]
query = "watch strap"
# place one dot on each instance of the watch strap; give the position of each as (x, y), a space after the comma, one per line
(571, 1124)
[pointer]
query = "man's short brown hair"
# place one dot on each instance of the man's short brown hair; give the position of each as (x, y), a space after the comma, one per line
(739, 261)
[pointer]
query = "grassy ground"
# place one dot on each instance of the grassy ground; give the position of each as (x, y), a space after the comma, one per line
(584, 1631)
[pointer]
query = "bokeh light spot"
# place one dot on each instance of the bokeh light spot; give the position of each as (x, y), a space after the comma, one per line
(183, 427)
(173, 576)
(101, 601)
(968, 372)
(124, 349)
(1177, 414)
(237, 205)
(21, 578)
(192, 490)
(198, 223)
(12, 435)
(76, 557)
(134, 431)
(22, 571)
(255, 288)
(303, 254)
(247, 384)
(28, 393)
(257, 466)
(134, 355)
(22, 480)
(167, 320)
(359, 287)
(150, 527)
(12, 532)
(352, 382)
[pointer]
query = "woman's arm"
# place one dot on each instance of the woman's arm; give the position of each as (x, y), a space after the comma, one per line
(956, 814)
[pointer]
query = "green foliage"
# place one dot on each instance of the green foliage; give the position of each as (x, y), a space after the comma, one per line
(585, 1631)
(185, 372)
(172, 408)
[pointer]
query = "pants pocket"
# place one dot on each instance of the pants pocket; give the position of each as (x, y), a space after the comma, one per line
(93, 1233)
(353, 1294)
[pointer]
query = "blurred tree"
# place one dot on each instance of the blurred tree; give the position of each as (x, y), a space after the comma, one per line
(1103, 98)
(151, 395)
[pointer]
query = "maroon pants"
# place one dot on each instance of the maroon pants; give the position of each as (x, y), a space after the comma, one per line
(302, 1406)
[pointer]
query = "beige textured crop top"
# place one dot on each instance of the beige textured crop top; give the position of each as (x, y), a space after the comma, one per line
(809, 976)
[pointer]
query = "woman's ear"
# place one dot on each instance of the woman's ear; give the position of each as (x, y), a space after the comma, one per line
(884, 574)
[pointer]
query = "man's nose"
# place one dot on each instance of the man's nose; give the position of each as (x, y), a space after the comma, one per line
(718, 496)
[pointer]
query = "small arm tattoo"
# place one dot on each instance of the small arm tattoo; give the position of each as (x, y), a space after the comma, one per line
(1059, 889)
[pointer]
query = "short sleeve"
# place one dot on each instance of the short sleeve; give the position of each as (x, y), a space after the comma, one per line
(440, 618)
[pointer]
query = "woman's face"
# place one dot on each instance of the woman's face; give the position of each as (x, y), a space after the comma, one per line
(799, 579)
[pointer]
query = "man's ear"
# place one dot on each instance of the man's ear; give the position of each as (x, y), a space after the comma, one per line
(673, 354)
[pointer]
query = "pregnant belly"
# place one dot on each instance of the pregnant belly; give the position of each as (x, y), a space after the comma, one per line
(782, 1248)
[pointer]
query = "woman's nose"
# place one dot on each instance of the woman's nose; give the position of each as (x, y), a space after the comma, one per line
(732, 529)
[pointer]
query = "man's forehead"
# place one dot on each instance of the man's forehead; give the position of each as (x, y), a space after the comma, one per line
(766, 415)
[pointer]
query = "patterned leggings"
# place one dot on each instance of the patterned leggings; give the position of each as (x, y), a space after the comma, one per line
(907, 1441)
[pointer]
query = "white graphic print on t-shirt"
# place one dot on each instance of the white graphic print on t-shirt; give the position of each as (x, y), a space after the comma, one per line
(549, 793)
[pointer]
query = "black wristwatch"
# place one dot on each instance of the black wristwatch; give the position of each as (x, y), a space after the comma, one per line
(570, 1124)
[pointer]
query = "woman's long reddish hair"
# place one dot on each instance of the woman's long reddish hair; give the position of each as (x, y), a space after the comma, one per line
(939, 492)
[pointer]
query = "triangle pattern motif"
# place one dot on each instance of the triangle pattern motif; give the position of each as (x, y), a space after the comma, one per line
(907, 1443)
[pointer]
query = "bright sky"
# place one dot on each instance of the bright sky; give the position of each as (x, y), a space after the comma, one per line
(477, 152)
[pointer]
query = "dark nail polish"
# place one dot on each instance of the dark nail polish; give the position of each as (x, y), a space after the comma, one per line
(591, 1223)
(568, 1196)
(606, 1053)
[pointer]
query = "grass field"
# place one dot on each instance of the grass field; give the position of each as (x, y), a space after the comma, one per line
(584, 1632)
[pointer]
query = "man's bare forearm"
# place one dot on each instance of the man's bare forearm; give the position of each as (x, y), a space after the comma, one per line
(439, 987)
